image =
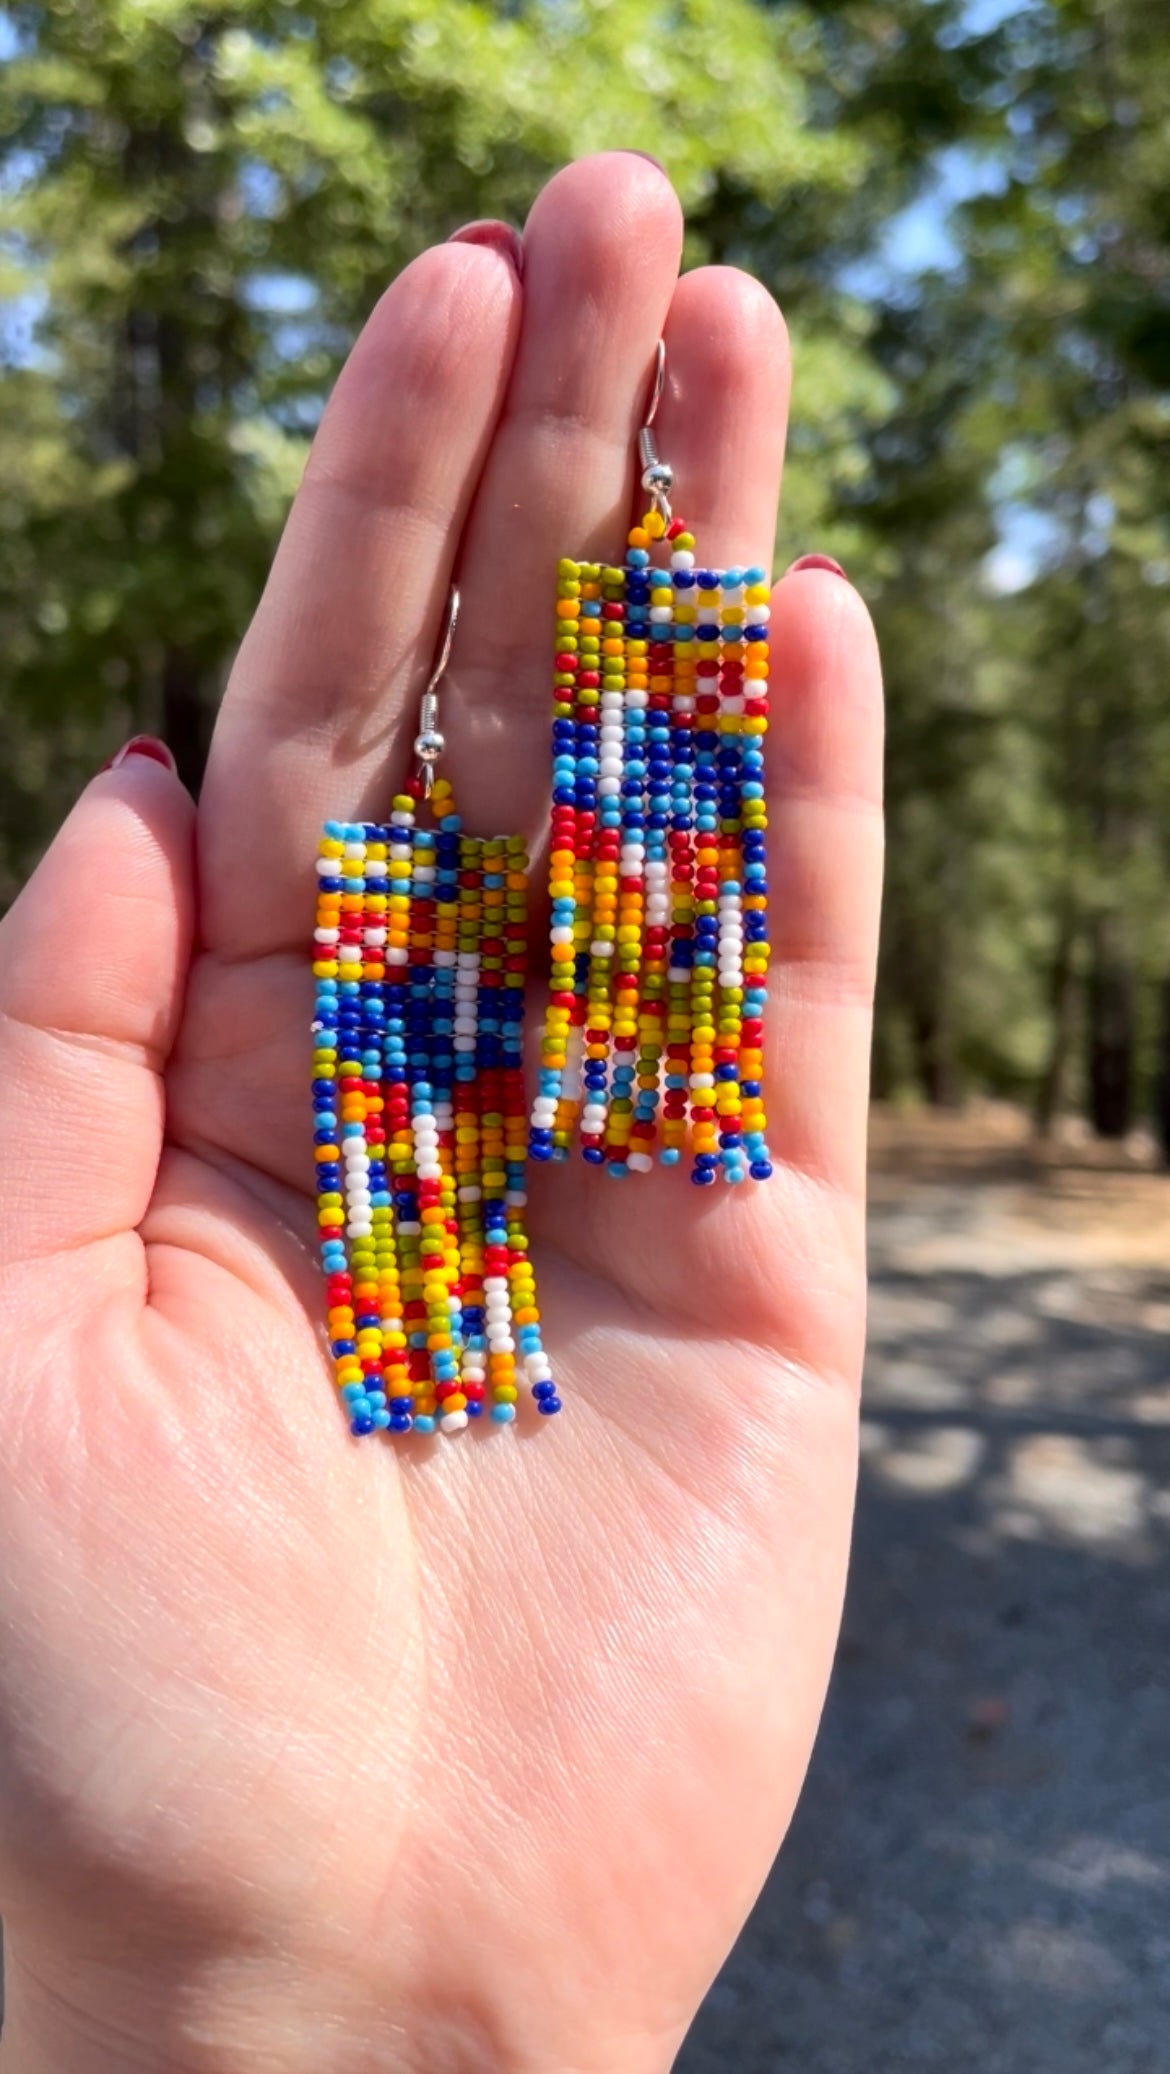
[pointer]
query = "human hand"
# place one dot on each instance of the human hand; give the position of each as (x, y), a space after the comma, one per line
(337, 1756)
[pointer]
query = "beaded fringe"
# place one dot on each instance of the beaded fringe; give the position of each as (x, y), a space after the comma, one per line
(419, 959)
(653, 1040)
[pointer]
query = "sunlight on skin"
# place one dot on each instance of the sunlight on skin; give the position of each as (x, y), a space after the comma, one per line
(327, 1756)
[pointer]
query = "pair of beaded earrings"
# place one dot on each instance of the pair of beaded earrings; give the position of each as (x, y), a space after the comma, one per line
(653, 1033)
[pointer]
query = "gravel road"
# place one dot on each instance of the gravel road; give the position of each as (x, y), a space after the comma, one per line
(978, 1876)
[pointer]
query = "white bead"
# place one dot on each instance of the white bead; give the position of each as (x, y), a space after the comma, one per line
(355, 849)
(638, 700)
(609, 788)
(326, 935)
(641, 1162)
(759, 614)
(444, 960)
(537, 1367)
(562, 933)
(601, 950)
(376, 867)
(702, 1080)
(452, 1421)
(329, 867)
(661, 612)
(682, 558)
(349, 954)
(395, 956)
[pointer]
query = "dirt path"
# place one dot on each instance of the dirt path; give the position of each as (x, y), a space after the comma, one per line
(978, 1878)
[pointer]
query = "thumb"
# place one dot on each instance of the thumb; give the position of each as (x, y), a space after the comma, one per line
(93, 961)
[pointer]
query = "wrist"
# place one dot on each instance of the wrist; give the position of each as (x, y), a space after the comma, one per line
(179, 2015)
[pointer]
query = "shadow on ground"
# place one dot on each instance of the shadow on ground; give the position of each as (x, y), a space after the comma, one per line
(978, 1875)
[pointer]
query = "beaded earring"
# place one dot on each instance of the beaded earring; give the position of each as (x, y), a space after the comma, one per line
(653, 1037)
(419, 959)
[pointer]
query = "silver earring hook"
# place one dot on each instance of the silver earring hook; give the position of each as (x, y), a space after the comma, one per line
(657, 474)
(429, 743)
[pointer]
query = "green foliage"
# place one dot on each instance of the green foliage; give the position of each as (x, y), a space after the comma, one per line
(198, 205)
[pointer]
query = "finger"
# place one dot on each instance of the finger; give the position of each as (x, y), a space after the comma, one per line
(723, 418)
(601, 253)
(315, 716)
(93, 959)
(825, 873)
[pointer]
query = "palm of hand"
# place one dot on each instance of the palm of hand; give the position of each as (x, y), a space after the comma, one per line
(478, 1750)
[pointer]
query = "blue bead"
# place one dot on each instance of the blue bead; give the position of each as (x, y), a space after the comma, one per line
(424, 1423)
(401, 1422)
(548, 1405)
(670, 1157)
(760, 1169)
(593, 1155)
(364, 1423)
(503, 1414)
(381, 1418)
(702, 1177)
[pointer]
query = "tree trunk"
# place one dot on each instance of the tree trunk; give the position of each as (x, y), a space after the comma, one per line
(934, 1056)
(1162, 1075)
(186, 714)
(1062, 1001)
(1110, 1006)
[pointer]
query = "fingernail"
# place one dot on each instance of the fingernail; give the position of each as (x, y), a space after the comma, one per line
(498, 237)
(631, 151)
(142, 745)
(819, 562)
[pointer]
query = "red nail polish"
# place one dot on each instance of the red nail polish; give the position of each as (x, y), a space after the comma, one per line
(142, 745)
(498, 237)
(819, 562)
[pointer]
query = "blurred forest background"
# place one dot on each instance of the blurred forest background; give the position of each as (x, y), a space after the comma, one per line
(963, 207)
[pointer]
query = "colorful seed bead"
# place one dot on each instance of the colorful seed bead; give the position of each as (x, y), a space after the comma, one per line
(420, 1138)
(658, 889)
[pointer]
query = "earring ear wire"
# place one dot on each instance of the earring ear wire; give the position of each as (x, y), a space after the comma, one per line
(429, 744)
